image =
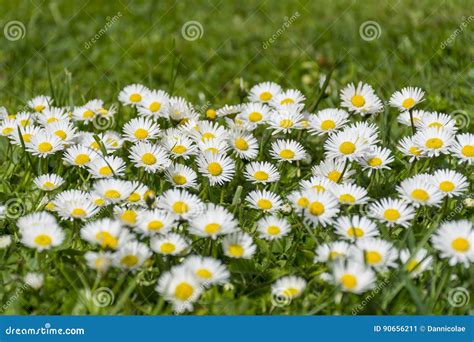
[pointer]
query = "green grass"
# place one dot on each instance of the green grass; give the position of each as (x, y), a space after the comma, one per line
(143, 46)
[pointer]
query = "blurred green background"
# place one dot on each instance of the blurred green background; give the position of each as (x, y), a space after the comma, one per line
(140, 42)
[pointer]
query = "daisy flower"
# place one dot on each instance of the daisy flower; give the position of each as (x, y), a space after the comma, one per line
(287, 150)
(106, 233)
(8, 127)
(332, 170)
(287, 98)
(133, 94)
(407, 98)
(392, 212)
(360, 99)
(405, 118)
(44, 144)
(329, 252)
(298, 200)
(140, 195)
(225, 111)
(107, 167)
(181, 287)
(151, 157)
(376, 253)
(51, 115)
(214, 221)
(215, 146)
(419, 191)
(352, 276)
(181, 110)
(218, 168)
(89, 140)
(455, 241)
(181, 203)
(239, 246)
(350, 194)
(377, 158)
(327, 121)
(209, 271)
(155, 221)
(26, 134)
(24, 119)
(74, 204)
(79, 155)
(450, 183)
(154, 104)
(261, 173)
(272, 227)
(410, 149)
(128, 216)
(132, 255)
(317, 183)
(416, 263)
(48, 182)
(243, 144)
(140, 129)
(65, 130)
(264, 92)
(255, 113)
(346, 145)
(286, 119)
(39, 103)
(113, 190)
(179, 146)
(355, 227)
(39, 218)
(439, 121)
(463, 147)
(322, 207)
(99, 261)
(264, 200)
(169, 244)
(42, 237)
(434, 141)
(83, 114)
(288, 288)
(181, 176)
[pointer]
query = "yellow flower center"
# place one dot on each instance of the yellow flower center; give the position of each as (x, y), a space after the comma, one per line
(106, 240)
(26, 137)
(316, 208)
(334, 175)
(241, 144)
(327, 125)
(211, 114)
(435, 124)
(273, 230)
(112, 194)
(434, 143)
(43, 240)
(255, 116)
(95, 145)
(260, 175)
(78, 213)
(49, 120)
(212, 228)
(203, 273)
(264, 204)
(26, 122)
(61, 134)
(468, 151)
(167, 247)
(266, 96)
(374, 162)
(412, 265)
(82, 159)
(286, 123)
(155, 225)
(135, 197)
(349, 281)
(373, 257)
(207, 135)
(358, 101)
(45, 147)
(39, 108)
(135, 97)
(287, 101)
(183, 291)
(347, 147)
(129, 260)
(48, 185)
(236, 250)
(290, 292)
(154, 107)
(7, 130)
(129, 216)
(446, 186)
(347, 198)
(105, 171)
(355, 231)
(180, 207)
(214, 168)
(414, 150)
(141, 133)
(179, 149)
(99, 202)
(408, 103)
(334, 255)
(287, 154)
(148, 159)
(391, 214)
(420, 195)
(88, 114)
(460, 245)
(179, 179)
(302, 202)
